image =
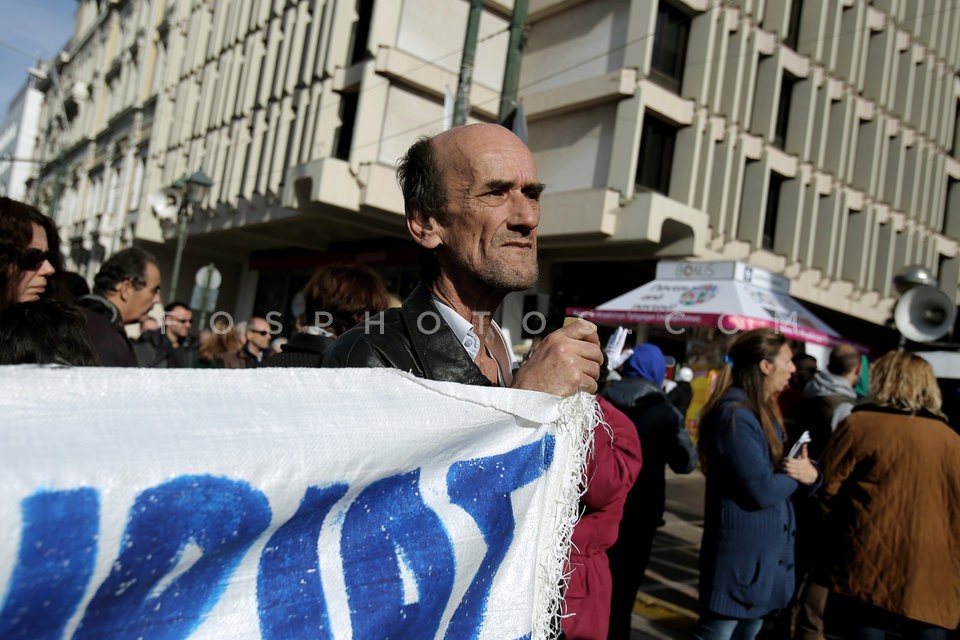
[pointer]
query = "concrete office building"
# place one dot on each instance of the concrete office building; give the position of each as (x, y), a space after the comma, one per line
(815, 139)
(18, 136)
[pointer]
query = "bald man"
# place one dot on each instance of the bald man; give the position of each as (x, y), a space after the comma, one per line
(472, 204)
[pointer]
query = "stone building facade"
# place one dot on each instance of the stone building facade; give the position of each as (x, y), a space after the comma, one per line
(816, 139)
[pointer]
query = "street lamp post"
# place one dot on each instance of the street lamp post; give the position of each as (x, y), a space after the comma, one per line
(195, 189)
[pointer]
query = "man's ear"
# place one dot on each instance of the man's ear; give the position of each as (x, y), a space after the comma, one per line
(124, 289)
(423, 229)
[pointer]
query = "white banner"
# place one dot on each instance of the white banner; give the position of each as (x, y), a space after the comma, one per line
(282, 503)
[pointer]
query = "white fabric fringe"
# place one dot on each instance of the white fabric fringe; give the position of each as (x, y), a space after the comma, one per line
(579, 414)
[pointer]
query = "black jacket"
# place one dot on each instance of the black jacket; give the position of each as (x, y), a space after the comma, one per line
(302, 350)
(413, 338)
(663, 440)
(154, 350)
(106, 332)
(681, 396)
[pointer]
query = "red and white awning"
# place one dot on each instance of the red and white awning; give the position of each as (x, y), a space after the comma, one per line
(732, 296)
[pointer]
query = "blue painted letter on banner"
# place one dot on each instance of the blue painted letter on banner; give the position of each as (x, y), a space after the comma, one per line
(217, 517)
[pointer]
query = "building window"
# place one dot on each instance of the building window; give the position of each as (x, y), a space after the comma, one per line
(141, 165)
(792, 39)
(956, 130)
(656, 154)
(951, 208)
(770, 216)
(361, 31)
(670, 47)
(70, 107)
(348, 117)
(783, 110)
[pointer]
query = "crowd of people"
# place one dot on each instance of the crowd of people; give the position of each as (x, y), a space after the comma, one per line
(856, 533)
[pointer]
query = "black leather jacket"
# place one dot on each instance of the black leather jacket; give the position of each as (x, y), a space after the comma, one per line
(413, 338)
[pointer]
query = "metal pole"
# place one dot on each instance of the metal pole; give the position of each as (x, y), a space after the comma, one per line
(462, 104)
(182, 219)
(205, 295)
(511, 69)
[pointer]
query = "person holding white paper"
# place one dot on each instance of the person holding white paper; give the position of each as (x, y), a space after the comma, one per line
(747, 552)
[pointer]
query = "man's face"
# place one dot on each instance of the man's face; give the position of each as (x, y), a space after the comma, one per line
(258, 334)
(179, 321)
(135, 303)
(493, 209)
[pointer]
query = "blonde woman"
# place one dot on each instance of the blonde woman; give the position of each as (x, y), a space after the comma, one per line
(891, 545)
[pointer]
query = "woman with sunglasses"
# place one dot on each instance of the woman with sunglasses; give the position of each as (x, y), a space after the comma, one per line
(29, 254)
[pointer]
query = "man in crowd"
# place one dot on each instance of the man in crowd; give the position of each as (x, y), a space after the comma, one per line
(171, 347)
(806, 368)
(256, 348)
(178, 320)
(827, 398)
(124, 290)
(664, 441)
(472, 202)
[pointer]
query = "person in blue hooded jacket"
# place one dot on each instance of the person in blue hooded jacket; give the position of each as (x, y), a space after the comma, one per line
(663, 441)
(747, 551)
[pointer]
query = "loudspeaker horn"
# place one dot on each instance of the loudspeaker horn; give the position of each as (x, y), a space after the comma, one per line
(166, 203)
(924, 313)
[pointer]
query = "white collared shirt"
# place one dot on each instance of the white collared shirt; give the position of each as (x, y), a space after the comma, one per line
(471, 342)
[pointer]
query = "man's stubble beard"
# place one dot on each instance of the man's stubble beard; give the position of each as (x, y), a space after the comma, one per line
(496, 274)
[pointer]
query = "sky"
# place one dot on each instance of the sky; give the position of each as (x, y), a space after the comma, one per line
(30, 29)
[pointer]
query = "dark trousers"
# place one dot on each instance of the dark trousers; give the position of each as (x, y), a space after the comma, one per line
(629, 558)
(810, 608)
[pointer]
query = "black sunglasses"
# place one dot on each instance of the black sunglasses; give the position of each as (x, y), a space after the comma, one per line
(33, 259)
(260, 331)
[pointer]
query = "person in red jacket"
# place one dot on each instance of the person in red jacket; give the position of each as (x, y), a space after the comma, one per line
(610, 474)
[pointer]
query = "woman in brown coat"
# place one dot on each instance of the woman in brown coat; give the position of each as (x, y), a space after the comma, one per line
(892, 488)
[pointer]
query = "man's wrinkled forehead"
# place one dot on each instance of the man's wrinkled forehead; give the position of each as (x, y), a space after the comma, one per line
(485, 152)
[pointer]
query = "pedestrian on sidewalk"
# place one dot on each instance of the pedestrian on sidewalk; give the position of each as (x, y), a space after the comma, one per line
(663, 440)
(827, 399)
(747, 551)
(890, 551)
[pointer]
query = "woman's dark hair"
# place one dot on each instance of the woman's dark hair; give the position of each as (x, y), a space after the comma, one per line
(743, 370)
(424, 194)
(45, 332)
(74, 286)
(16, 234)
(348, 292)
